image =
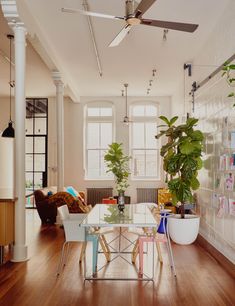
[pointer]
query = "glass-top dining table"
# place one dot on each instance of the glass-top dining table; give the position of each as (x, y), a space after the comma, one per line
(108, 216)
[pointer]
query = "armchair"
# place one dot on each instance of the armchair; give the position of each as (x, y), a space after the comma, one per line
(47, 205)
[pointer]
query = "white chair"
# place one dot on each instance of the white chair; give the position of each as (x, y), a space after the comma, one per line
(75, 233)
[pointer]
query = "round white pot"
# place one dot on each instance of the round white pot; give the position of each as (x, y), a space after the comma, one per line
(184, 231)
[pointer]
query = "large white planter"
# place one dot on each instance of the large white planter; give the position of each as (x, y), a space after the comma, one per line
(184, 231)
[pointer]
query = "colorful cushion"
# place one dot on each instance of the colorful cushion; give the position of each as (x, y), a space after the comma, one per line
(72, 191)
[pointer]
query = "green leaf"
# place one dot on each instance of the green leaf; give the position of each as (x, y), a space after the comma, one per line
(199, 163)
(173, 120)
(187, 148)
(191, 122)
(161, 125)
(160, 134)
(163, 118)
(197, 135)
(195, 183)
(173, 164)
(232, 94)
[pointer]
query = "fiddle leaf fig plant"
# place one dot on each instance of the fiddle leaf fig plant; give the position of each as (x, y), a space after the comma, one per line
(181, 158)
(118, 163)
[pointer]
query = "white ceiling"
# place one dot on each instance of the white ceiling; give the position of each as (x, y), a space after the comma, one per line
(69, 44)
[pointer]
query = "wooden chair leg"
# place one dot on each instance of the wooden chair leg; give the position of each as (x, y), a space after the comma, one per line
(106, 254)
(159, 252)
(83, 250)
(106, 246)
(135, 251)
(141, 255)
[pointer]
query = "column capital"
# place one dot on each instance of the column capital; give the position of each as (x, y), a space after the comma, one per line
(10, 12)
(57, 78)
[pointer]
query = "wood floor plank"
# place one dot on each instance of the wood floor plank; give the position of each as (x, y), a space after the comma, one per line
(200, 279)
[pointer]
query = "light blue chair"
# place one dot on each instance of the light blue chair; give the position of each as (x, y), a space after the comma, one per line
(75, 233)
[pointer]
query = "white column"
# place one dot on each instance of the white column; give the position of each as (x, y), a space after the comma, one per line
(20, 248)
(60, 128)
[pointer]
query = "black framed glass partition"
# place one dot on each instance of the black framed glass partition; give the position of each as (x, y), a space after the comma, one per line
(36, 129)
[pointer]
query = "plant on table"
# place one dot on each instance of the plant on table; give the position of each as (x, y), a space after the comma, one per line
(181, 158)
(118, 163)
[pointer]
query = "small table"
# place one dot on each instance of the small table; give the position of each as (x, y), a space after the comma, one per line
(135, 215)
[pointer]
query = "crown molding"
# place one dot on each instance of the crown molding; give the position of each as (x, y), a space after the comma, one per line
(10, 12)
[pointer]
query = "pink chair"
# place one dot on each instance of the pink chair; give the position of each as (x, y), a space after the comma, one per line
(162, 236)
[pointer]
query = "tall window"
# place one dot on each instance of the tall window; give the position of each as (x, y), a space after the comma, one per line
(36, 144)
(143, 145)
(98, 135)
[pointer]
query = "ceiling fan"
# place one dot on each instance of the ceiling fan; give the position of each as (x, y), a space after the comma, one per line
(126, 119)
(134, 13)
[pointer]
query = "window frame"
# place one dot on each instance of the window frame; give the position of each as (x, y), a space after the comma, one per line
(96, 119)
(144, 119)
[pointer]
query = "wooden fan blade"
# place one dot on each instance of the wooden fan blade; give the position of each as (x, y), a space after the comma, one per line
(185, 27)
(88, 13)
(143, 6)
(120, 36)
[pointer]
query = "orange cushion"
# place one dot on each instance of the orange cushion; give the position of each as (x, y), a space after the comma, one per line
(109, 201)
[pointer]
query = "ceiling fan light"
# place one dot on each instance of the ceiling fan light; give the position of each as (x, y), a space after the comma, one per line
(133, 21)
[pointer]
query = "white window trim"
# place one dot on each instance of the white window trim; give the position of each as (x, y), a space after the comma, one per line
(144, 119)
(103, 119)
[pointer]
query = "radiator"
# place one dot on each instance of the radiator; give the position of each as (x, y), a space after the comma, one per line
(95, 195)
(146, 195)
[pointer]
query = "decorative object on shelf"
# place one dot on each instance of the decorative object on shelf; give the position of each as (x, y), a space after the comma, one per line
(118, 163)
(181, 161)
(9, 131)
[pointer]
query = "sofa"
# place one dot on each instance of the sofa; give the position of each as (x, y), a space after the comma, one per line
(47, 200)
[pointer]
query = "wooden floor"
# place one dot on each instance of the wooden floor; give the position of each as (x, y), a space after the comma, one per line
(200, 279)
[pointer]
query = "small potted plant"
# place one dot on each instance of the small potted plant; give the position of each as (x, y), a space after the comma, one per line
(181, 162)
(118, 163)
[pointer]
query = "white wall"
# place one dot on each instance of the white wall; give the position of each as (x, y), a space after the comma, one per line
(211, 107)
